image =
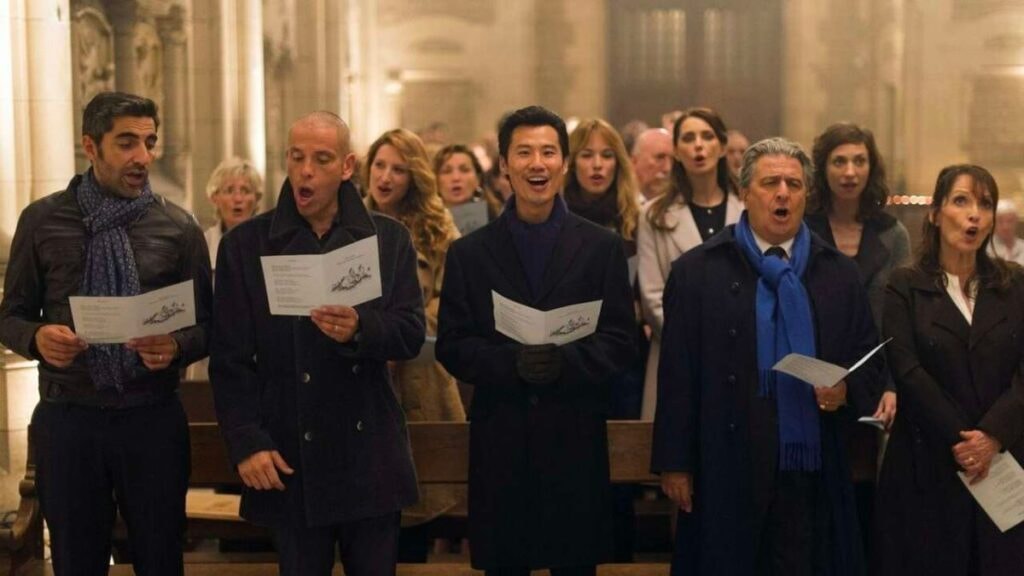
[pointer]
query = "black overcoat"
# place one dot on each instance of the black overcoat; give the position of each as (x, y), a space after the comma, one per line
(950, 376)
(281, 384)
(538, 482)
(711, 420)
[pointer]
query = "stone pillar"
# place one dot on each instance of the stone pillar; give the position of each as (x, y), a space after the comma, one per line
(123, 15)
(36, 108)
(174, 116)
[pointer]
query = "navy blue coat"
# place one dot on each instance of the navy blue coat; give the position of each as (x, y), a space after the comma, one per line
(281, 384)
(711, 421)
(539, 492)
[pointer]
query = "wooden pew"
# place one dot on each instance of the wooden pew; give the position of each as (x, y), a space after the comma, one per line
(23, 540)
(440, 452)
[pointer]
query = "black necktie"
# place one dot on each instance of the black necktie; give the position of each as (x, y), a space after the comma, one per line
(777, 251)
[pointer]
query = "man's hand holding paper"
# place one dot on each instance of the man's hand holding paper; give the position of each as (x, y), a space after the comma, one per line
(339, 323)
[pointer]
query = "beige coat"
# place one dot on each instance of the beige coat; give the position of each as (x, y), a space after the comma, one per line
(428, 393)
(425, 390)
(656, 250)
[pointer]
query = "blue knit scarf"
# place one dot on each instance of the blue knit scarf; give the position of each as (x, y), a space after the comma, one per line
(784, 325)
(110, 270)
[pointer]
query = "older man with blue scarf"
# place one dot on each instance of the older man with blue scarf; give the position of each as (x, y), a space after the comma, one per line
(109, 433)
(755, 458)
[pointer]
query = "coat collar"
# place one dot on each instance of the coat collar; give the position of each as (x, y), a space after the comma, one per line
(684, 233)
(728, 239)
(291, 231)
(990, 309)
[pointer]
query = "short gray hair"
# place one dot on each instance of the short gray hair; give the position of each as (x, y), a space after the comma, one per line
(231, 168)
(774, 147)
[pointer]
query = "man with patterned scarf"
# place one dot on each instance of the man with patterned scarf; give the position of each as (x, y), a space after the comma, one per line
(755, 459)
(109, 433)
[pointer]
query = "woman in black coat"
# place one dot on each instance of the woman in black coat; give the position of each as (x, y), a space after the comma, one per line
(956, 318)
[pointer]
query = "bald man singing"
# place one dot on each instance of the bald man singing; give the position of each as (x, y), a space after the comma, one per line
(305, 402)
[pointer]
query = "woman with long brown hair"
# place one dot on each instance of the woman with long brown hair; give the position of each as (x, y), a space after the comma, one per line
(701, 200)
(956, 319)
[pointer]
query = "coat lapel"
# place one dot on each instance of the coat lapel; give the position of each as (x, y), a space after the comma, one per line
(872, 254)
(989, 311)
(945, 314)
(569, 243)
(685, 235)
(498, 241)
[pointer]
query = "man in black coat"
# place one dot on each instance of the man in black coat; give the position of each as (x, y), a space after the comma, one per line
(755, 459)
(108, 432)
(538, 487)
(305, 402)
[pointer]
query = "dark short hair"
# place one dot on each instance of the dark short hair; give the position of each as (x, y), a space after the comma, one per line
(532, 116)
(105, 107)
(876, 190)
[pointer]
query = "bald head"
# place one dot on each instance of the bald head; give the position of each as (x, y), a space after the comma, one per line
(323, 119)
(652, 159)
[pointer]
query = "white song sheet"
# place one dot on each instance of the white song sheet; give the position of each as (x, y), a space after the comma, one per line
(1001, 494)
(531, 326)
(117, 319)
(469, 216)
(347, 276)
(819, 373)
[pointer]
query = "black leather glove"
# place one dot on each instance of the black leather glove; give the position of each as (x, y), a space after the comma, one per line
(539, 364)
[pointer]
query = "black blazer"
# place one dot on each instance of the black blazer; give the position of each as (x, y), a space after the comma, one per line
(538, 483)
(952, 377)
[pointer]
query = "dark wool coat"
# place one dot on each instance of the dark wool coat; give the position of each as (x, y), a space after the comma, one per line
(711, 420)
(538, 482)
(281, 384)
(951, 376)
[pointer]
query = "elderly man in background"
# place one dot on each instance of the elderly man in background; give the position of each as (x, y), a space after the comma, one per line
(754, 458)
(1005, 242)
(652, 160)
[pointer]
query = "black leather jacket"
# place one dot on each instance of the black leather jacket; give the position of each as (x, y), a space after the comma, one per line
(46, 266)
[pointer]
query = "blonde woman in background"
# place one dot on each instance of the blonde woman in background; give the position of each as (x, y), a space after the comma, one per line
(235, 188)
(398, 181)
(601, 185)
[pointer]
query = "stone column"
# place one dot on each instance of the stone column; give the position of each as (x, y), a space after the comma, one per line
(174, 116)
(123, 15)
(36, 108)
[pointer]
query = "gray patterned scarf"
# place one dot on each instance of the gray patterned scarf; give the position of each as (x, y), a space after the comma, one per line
(110, 270)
